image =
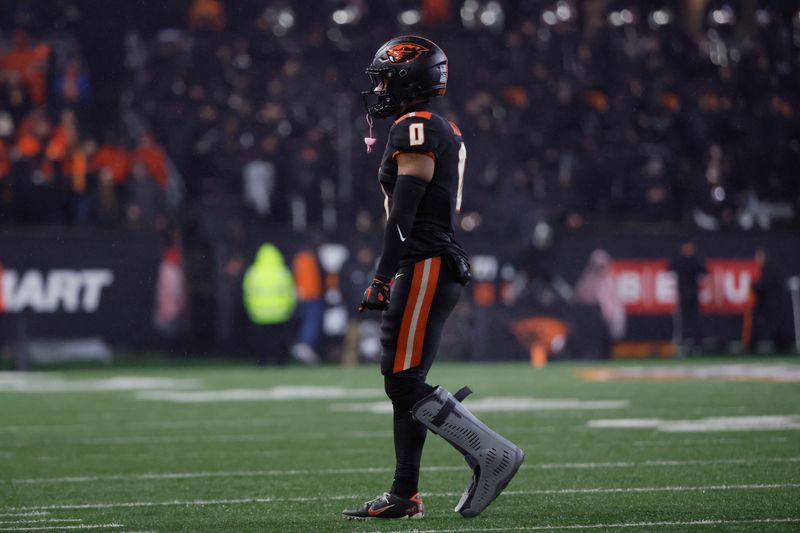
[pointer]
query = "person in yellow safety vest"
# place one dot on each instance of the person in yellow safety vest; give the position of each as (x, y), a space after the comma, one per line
(270, 300)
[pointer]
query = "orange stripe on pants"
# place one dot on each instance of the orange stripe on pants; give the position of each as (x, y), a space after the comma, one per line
(422, 323)
(415, 315)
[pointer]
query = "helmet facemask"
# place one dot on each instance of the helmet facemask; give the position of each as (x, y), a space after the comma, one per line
(387, 94)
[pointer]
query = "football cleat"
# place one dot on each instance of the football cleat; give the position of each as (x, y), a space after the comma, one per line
(388, 506)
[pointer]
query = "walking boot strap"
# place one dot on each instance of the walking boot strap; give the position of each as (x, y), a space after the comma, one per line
(449, 405)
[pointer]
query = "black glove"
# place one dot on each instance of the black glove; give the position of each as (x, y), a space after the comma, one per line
(376, 297)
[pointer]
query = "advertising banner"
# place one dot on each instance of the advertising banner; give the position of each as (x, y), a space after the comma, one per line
(69, 284)
(647, 287)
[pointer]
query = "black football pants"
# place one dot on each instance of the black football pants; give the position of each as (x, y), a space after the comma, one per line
(422, 297)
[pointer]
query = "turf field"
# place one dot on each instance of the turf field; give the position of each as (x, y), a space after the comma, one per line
(666, 446)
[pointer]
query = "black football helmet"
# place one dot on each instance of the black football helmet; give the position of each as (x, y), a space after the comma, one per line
(404, 68)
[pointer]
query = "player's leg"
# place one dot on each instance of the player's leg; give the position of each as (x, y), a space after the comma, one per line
(408, 354)
(408, 434)
(494, 459)
(421, 299)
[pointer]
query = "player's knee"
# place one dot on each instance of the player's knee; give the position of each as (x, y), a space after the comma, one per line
(405, 391)
(397, 389)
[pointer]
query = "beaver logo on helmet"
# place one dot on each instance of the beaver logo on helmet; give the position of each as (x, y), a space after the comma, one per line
(405, 52)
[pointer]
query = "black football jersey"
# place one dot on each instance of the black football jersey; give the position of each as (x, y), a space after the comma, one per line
(424, 132)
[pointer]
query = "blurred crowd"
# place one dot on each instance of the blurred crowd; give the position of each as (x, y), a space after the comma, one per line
(574, 112)
(577, 113)
(53, 168)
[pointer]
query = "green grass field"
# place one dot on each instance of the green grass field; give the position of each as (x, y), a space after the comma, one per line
(221, 449)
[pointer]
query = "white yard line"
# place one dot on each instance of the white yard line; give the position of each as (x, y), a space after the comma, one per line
(153, 476)
(257, 437)
(245, 501)
(701, 425)
(13, 515)
(614, 490)
(206, 452)
(231, 437)
(60, 528)
(610, 526)
(192, 475)
(39, 521)
(100, 423)
(666, 441)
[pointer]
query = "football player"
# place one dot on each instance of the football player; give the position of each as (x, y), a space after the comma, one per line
(419, 278)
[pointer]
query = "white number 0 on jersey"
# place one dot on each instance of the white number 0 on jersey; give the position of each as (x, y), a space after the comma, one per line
(416, 135)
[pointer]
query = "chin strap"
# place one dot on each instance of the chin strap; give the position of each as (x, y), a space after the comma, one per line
(369, 141)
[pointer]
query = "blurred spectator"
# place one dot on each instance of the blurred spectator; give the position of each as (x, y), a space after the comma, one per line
(436, 11)
(231, 262)
(207, 15)
(170, 314)
(689, 269)
(113, 158)
(362, 340)
(72, 88)
(108, 204)
(310, 305)
(270, 300)
(259, 179)
(596, 286)
(82, 181)
(13, 97)
(146, 206)
(153, 157)
(30, 63)
(771, 315)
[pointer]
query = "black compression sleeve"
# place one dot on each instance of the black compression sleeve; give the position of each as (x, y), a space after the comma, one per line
(408, 192)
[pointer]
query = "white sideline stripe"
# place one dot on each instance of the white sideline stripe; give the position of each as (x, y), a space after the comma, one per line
(168, 452)
(138, 425)
(112, 525)
(599, 490)
(279, 393)
(233, 437)
(49, 383)
(35, 513)
(701, 440)
(717, 423)
(150, 476)
(39, 521)
(608, 526)
(499, 404)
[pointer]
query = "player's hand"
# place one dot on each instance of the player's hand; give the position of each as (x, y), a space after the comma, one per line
(376, 297)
